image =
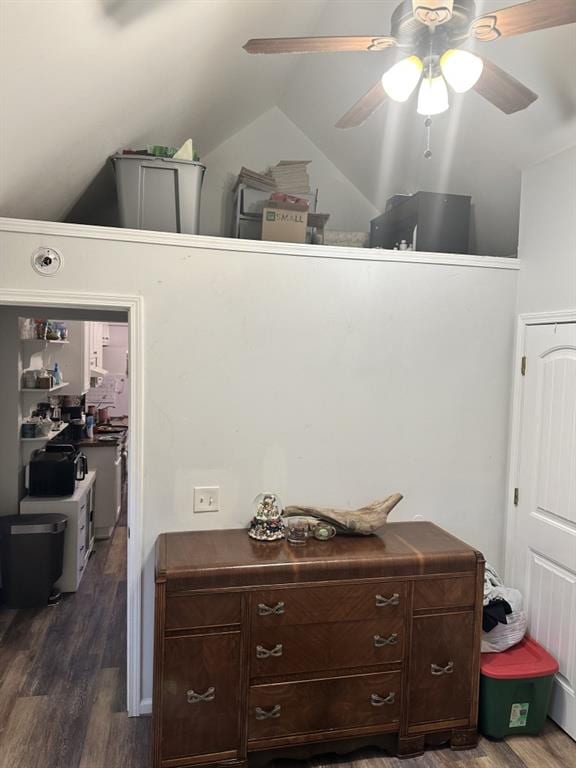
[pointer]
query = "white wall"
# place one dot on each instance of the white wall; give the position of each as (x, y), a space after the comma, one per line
(266, 141)
(328, 380)
(547, 244)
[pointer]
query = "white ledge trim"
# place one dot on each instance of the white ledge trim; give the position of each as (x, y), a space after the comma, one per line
(58, 229)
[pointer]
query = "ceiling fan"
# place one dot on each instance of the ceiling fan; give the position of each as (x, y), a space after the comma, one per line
(425, 46)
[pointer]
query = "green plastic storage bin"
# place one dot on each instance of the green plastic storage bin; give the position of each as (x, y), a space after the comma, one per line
(515, 690)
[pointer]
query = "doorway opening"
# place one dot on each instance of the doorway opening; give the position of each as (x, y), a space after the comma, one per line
(106, 603)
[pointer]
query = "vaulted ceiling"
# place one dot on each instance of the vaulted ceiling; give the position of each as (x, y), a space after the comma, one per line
(81, 78)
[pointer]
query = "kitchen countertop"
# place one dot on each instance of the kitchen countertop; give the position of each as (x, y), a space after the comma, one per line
(95, 443)
(118, 439)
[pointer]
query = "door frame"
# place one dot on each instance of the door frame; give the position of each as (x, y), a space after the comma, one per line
(522, 325)
(133, 305)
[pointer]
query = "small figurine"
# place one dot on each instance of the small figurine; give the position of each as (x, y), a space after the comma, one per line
(267, 523)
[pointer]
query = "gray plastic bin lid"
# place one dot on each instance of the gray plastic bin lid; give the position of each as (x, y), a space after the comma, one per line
(51, 522)
(155, 159)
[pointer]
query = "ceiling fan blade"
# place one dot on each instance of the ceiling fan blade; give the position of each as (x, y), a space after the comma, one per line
(522, 18)
(318, 44)
(503, 90)
(364, 107)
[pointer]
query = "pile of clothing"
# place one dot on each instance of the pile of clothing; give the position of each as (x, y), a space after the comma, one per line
(503, 619)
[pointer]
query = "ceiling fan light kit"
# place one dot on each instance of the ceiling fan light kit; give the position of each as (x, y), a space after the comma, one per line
(430, 34)
(432, 96)
(401, 79)
(461, 69)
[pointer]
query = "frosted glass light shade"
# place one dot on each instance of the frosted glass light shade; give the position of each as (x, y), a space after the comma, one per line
(432, 96)
(401, 79)
(461, 69)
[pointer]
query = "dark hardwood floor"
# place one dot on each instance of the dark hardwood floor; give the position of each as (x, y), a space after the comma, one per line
(63, 676)
(63, 691)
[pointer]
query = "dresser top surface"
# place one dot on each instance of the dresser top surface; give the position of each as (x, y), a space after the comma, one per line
(206, 559)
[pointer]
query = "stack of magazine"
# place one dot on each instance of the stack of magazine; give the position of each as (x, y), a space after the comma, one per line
(255, 180)
(291, 177)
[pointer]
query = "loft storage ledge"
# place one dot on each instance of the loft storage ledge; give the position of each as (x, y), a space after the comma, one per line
(206, 242)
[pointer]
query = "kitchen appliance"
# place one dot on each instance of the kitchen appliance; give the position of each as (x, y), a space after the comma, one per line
(55, 469)
(77, 429)
(72, 413)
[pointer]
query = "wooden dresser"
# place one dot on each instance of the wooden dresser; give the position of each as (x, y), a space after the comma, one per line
(266, 650)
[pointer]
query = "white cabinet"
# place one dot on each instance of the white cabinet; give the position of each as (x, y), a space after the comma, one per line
(96, 346)
(107, 461)
(79, 537)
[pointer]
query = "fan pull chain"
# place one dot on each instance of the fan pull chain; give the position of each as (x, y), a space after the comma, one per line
(428, 121)
(427, 128)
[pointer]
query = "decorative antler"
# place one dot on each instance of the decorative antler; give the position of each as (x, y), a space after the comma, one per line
(363, 521)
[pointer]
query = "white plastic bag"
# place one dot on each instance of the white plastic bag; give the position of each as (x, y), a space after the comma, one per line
(504, 636)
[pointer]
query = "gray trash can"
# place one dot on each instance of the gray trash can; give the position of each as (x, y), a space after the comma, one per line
(31, 555)
(159, 193)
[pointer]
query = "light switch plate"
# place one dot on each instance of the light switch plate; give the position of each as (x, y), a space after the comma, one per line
(207, 499)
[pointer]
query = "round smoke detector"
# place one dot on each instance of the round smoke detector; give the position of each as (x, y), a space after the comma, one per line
(47, 261)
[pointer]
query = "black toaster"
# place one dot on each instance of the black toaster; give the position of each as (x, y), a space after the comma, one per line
(55, 470)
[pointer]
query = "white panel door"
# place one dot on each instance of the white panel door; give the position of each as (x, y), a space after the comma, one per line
(544, 551)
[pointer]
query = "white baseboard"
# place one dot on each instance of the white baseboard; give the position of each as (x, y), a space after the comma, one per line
(146, 707)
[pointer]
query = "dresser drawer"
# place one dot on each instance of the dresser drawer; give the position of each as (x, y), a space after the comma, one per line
(201, 695)
(189, 611)
(284, 709)
(441, 656)
(290, 650)
(455, 592)
(314, 605)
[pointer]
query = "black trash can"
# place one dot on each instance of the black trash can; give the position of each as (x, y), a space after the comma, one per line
(31, 555)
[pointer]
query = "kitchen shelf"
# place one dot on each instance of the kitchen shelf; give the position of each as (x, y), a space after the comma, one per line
(44, 438)
(45, 391)
(44, 341)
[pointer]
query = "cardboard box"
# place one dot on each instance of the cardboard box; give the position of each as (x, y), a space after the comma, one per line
(285, 226)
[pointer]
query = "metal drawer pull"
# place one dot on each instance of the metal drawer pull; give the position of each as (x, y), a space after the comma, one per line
(264, 653)
(447, 670)
(269, 610)
(266, 714)
(379, 701)
(382, 602)
(194, 698)
(380, 641)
